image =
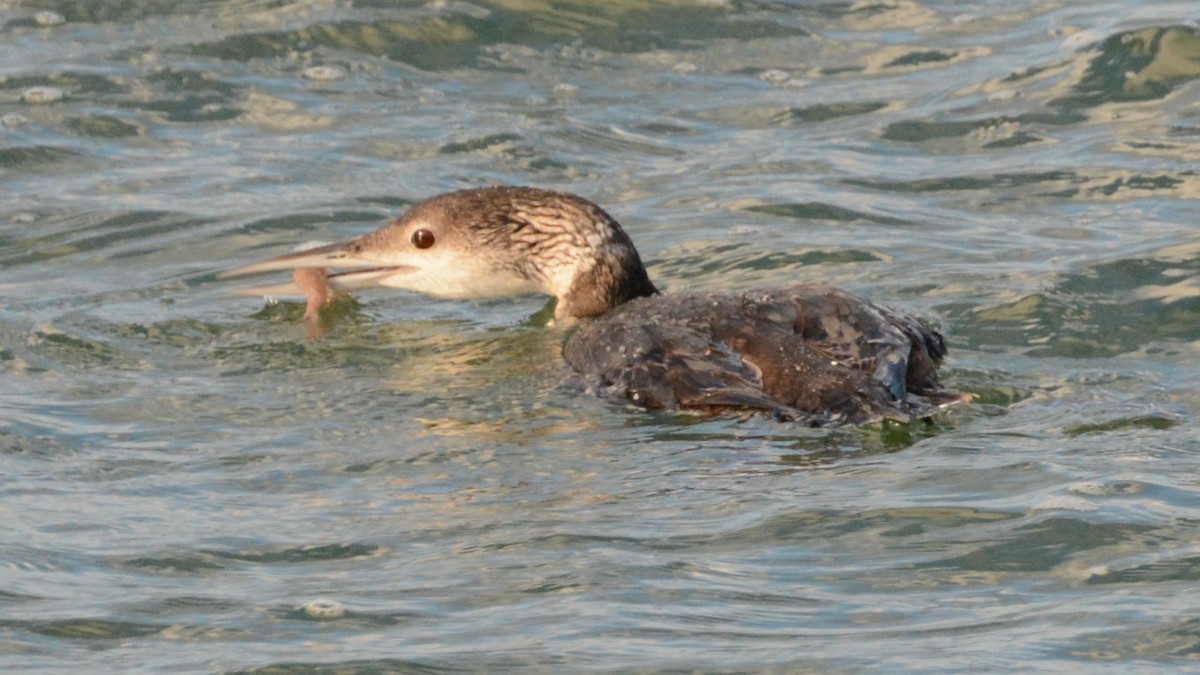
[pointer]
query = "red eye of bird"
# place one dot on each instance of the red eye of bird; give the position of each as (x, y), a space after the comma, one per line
(423, 238)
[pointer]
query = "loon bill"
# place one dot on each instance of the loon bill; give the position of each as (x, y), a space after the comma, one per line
(814, 354)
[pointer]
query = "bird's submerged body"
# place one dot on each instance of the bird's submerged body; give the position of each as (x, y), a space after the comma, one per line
(813, 354)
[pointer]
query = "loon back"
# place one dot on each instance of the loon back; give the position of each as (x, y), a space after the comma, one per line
(813, 354)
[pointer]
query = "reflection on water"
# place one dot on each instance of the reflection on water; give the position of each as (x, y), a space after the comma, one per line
(425, 486)
(1140, 65)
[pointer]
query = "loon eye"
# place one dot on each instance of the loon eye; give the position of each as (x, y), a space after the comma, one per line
(423, 238)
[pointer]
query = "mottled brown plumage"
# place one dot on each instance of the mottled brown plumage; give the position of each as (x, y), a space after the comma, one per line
(809, 353)
(814, 354)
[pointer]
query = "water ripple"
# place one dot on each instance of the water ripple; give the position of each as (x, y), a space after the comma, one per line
(422, 485)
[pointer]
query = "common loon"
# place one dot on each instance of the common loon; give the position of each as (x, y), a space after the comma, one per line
(812, 354)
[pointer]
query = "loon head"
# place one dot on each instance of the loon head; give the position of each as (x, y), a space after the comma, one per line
(489, 242)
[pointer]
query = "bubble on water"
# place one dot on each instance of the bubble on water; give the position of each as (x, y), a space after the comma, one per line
(322, 608)
(1077, 39)
(48, 18)
(745, 230)
(774, 76)
(461, 8)
(13, 120)
(325, 73)
(40, 95)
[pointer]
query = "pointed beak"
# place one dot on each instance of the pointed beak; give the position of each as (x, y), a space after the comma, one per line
(330, 255)
(361, 271)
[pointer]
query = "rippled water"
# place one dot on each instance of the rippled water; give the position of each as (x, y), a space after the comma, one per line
(191, 484)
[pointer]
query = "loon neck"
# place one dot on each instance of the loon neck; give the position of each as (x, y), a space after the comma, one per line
(607, 284)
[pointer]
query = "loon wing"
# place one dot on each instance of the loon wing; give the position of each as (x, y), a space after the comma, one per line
(808, 353)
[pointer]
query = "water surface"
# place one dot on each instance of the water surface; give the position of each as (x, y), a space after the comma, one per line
(192, 484)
